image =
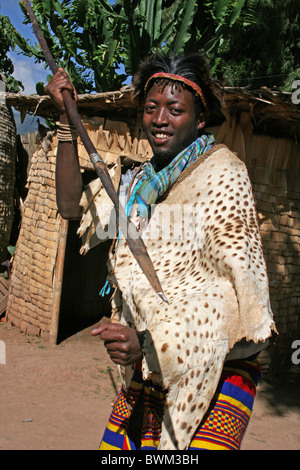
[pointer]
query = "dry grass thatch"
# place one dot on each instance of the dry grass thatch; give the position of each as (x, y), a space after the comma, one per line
(272, 112)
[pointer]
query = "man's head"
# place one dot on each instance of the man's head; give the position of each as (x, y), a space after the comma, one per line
(177, 94)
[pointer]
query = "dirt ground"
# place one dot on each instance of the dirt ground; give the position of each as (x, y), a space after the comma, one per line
(58, 397)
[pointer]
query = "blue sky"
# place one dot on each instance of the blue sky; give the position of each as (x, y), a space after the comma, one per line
(26, 70)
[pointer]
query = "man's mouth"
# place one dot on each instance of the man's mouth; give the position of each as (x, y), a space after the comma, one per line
(161, 136)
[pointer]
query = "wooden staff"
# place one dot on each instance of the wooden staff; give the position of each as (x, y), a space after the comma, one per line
(129, 230)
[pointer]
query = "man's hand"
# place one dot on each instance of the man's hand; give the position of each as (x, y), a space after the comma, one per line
(122, 343)
(60, 81)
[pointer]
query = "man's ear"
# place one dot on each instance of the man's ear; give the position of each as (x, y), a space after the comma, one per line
(201, 121)
(201, 124)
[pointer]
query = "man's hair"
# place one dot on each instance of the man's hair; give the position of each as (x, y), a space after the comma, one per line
(190, 66)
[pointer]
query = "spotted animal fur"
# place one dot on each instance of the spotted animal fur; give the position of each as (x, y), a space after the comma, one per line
(204, 241)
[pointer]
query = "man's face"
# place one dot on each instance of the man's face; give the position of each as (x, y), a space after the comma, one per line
(169, 121)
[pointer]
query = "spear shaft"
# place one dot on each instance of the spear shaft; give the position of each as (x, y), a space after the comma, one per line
(129, 230)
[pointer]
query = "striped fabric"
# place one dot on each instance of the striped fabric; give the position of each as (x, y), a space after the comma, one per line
(152, 185)
(228, 416)
(222, 428)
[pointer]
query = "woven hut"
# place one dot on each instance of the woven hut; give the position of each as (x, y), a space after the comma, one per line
(7, 172)
(54, 286)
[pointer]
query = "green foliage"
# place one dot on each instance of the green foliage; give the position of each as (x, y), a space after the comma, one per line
(100, 41)
(145, 29)
(11, 249)
(213, 24)
(84, 39)
(55, 20)
(6, 65)
(94, 40)
(182, 28)
(267, 52)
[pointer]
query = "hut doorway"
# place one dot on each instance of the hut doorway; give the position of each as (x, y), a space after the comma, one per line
(83, 277)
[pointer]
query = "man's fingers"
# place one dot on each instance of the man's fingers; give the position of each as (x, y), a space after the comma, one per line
(109, 331)
(99, 329)
(62, 71)
(121, 343)
(69, 85)
(114, 335)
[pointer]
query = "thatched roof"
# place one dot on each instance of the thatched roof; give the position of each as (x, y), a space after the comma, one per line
(90, 104)
(272, 112)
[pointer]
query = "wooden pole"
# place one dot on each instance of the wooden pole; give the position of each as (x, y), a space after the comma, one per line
(58, 280)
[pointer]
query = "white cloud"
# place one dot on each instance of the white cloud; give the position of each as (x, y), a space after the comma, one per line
(28, 72)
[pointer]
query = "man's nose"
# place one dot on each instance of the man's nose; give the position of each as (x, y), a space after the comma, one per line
(161, 117)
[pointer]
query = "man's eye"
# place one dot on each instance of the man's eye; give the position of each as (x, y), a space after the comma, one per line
(149, 109)
(176, 111)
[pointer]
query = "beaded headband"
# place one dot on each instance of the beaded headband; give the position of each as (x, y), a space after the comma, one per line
(178, 78)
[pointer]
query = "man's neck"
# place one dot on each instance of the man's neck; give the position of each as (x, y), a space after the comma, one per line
(159, 162)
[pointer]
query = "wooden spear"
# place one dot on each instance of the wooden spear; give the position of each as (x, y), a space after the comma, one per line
(129, 230)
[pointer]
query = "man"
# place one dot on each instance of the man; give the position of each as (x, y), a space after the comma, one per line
(189, 368)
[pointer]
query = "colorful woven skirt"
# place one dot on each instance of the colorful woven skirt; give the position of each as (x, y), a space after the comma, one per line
(136, 418)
